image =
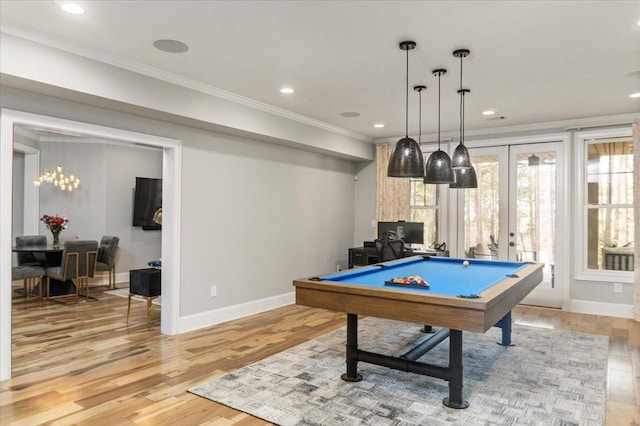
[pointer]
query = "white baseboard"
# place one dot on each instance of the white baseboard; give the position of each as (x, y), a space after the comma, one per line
(103, 278)
(600, 308)
(217, 316)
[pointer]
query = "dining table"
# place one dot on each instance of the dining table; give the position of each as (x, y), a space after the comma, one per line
(49, 256)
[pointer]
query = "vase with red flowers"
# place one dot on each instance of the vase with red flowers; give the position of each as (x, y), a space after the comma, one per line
(55, 224)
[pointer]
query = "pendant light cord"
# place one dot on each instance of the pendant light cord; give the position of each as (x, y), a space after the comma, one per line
(461, 106)
(406, 100)
(419, 117)
(439, 78)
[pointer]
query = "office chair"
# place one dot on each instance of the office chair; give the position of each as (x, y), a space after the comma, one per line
(389, 247)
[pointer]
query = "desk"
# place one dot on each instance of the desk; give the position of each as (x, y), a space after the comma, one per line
(489, 290)
(49, 256)
(362, 256)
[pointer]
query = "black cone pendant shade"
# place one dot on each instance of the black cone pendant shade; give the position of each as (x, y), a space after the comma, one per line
(465, 178)
(438, 168)
(406, 160)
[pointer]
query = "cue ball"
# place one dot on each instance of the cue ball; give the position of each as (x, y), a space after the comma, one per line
(465, 263)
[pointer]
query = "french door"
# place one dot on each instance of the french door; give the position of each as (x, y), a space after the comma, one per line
(514, 213)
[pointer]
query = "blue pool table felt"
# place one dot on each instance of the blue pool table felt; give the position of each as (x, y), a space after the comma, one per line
(445, 276)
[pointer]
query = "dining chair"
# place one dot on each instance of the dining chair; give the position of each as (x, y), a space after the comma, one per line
(29, 276)
(107, 255)
(78, 262)
(26, 258)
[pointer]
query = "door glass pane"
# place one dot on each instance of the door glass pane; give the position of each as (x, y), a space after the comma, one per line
(481, 210)
(535, 211)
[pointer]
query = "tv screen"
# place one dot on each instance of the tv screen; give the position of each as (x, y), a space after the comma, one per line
(410, 232)
(147, 199)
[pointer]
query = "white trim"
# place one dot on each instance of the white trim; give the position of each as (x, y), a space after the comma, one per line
(171, 175)
(229, 313)
(6, 213)
(580, 254)
(567, 125)
(31, 202)
(600, 308)
(149, 71)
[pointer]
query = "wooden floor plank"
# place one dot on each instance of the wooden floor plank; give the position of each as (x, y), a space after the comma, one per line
(85, 364)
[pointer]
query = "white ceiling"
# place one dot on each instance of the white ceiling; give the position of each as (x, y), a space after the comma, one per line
(532, 61)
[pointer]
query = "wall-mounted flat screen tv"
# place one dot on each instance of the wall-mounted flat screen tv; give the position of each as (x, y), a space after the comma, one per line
(147, 199)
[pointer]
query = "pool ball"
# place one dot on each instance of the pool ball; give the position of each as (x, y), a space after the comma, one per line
(465, 263)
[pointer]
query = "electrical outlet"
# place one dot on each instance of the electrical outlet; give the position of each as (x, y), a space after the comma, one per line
(214, 291)
(617, 287)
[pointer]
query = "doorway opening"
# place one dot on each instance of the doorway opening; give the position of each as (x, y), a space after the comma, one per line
(171, 175)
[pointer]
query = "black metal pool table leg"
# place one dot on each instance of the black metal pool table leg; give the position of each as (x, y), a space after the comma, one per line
(352, 350)
(454, 400)
(505, 325)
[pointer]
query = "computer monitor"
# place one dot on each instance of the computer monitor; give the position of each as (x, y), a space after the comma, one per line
(410, 232)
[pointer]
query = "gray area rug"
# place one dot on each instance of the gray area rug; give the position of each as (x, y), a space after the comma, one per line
(550, 377)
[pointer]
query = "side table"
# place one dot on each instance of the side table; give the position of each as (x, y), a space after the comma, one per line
(147, 283)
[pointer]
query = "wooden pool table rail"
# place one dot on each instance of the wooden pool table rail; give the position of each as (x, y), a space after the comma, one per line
(477, 315)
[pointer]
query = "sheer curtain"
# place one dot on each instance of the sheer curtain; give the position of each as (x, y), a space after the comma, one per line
(392, 199)
(636, 213)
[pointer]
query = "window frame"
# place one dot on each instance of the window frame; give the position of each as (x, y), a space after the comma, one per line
(581, 140)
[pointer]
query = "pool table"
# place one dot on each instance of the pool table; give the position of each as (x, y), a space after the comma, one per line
(458, 298)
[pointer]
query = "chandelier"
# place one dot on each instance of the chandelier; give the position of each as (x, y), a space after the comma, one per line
(58, 178)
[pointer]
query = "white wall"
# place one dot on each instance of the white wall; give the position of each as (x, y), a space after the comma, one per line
(254, 215)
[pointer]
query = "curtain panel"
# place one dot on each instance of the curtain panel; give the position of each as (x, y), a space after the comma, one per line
(636, 217)
(393, 194)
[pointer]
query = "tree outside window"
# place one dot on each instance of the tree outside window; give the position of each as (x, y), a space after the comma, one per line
(609, 204)
(425, 209)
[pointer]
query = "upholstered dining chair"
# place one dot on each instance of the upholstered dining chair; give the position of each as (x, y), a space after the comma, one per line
(29, 259)
(107, 255)
(78, 262)
(29, 276)
(389, 247)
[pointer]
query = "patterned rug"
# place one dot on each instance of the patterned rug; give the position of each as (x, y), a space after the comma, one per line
(550, 377)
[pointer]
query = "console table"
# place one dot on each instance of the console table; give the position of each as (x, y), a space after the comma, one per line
(362, 256)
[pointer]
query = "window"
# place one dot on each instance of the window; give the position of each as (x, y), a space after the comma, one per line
(424, 208)
(607, 200)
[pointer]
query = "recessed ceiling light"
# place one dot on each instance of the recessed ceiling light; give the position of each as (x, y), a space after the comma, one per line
(349, 114)
(170, 46)
(488, 112)
(72, 8)
(378, 125)
(635, 95)
(286, 90)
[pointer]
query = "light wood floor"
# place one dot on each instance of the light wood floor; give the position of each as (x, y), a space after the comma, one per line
(83, 364)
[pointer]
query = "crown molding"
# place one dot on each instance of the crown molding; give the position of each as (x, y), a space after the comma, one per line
(568, 125)
(153, 72)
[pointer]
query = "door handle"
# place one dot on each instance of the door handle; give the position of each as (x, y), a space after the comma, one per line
(511, 244)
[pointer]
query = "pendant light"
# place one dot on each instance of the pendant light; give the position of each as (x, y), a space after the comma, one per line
(460, 158)
(439, 164)
(406, 160)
